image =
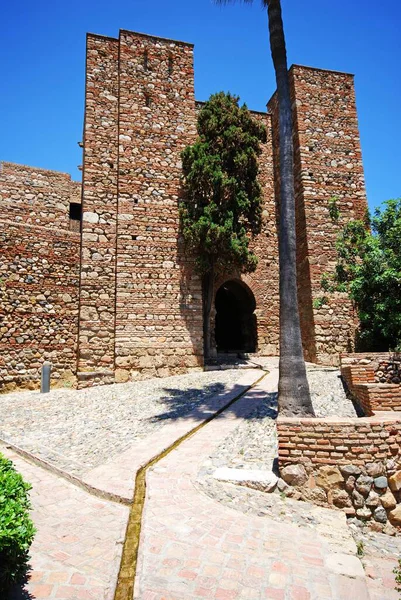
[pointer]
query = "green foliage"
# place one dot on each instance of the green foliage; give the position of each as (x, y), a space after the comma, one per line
(319, 302)
(369, 269)
(397, 573)
(222, 207)
(16, 528)
(334, 210)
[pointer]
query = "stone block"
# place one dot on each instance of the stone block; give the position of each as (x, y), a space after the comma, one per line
(395, 481)
(395, 516)
(264, 481)
(294, 475)
(329, 477)
(388, 500)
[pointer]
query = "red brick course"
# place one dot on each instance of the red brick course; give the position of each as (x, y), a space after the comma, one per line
(360, 374)
(339, 441)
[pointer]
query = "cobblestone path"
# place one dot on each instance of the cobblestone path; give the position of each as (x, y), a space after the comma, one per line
(194, 547)
(77, 549)
(78, 430)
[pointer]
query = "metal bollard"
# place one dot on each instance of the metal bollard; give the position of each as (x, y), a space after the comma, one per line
(45, 381)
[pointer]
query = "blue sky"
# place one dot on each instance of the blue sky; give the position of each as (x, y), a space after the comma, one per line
(42, 45)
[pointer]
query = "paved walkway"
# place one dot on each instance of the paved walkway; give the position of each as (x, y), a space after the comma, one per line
(77, 548)
(193, 547)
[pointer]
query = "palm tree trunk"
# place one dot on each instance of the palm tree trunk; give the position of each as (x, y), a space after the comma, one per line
(207, 299)
(293, 389)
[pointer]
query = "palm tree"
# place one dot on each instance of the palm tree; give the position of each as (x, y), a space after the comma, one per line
(293, 388)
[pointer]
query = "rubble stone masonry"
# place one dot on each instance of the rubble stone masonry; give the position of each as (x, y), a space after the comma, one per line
(39, 272)
(139, 299)
(353, 464)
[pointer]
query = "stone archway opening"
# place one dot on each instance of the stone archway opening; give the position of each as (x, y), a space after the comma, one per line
(235, 326)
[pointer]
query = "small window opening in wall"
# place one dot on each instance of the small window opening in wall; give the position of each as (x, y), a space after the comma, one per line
(134, 237)
(146, 60)
(75, 211)
(135, 200)
(170, 65)
(148, 100)
(75, 214)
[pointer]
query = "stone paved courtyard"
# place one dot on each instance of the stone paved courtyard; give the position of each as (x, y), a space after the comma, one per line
(201, 538)
(77, 430)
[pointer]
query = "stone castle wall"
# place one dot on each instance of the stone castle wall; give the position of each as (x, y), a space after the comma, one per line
(145, 119)
(39, 272)
(138, 301)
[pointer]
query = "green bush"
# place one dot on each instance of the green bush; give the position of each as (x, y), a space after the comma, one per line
(397, 573)
(16, 528)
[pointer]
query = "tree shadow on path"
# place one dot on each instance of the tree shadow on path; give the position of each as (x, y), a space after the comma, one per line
(205, 401)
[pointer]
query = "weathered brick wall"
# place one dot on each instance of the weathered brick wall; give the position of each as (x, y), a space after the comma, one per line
(158, 320)
(375, 397)
(139, 307)
(39, 271)
(353, 464)
(328, 164)
(373, 379)
(334, 441)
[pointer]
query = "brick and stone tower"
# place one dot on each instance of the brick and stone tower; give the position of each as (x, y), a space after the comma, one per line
(140, 307)
(140, 301)
(328, 170)
(136, 311)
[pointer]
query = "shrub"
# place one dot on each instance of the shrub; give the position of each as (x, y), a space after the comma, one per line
(16, 528)
(397, 573)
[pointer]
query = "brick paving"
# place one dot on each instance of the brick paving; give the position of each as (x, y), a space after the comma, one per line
(193, 547)
(77, 548)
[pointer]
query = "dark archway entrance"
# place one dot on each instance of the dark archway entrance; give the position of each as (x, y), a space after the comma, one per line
(236, 327)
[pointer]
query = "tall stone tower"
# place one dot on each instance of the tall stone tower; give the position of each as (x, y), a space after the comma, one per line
(136, 310)
(328, 171)
(140, 308)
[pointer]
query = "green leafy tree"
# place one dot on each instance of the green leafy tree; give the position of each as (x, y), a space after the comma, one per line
(222, 207)
(369, 269)
(293, 388)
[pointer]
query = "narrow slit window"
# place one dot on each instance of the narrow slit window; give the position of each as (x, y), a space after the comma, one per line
(75, 214)
(148, 101)
(75, 211)
(170, 65)
(146, 60)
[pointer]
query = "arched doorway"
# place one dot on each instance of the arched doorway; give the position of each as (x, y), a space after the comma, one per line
(236, 327)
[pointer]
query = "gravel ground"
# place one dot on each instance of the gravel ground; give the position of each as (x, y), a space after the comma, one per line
(253, 444)
(79, 430)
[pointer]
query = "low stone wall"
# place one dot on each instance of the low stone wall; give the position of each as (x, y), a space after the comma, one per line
(373, 379)
(353, 464)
